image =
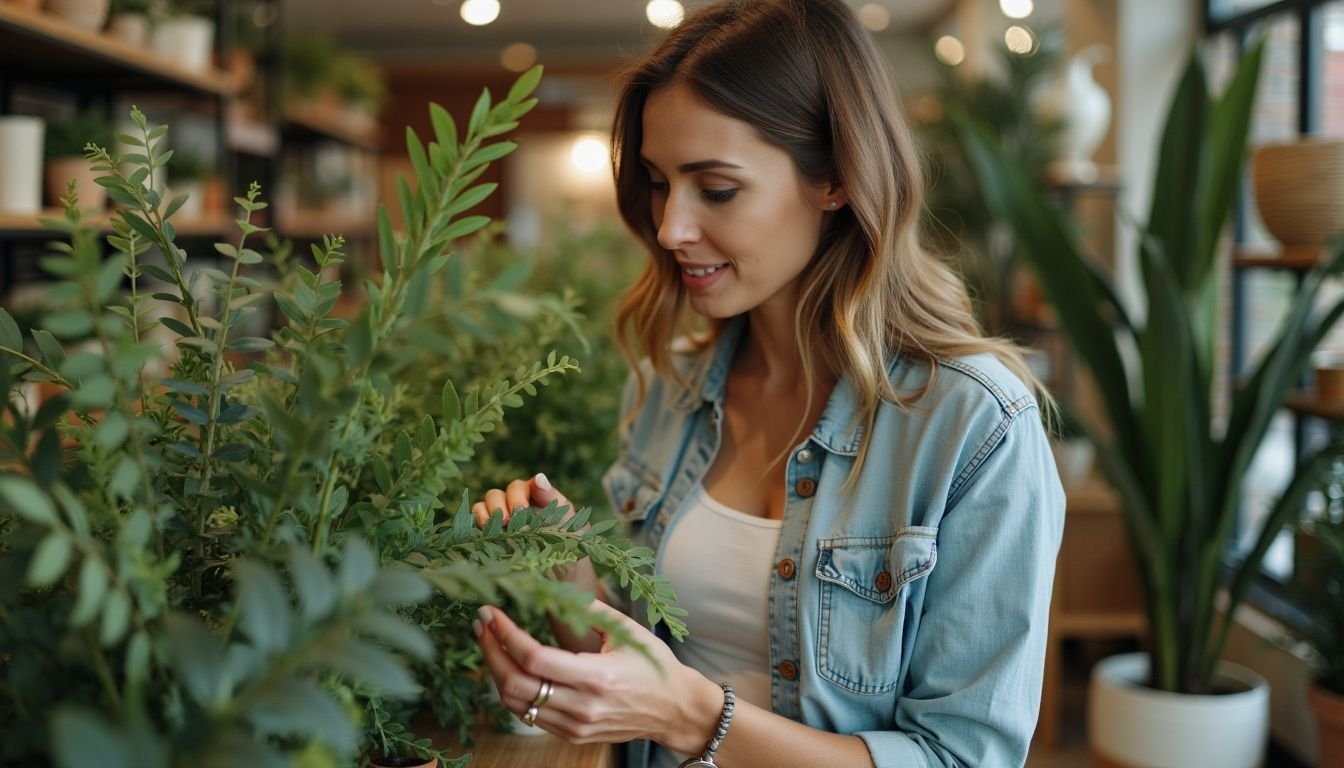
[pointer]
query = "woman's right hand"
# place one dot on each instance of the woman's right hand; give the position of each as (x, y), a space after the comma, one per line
(520, 494)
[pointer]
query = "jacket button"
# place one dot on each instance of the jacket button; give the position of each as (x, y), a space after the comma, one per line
(629, 505)
(786, 569)
(883, 581)
(788, 670)
(806, 487)
(804, 456)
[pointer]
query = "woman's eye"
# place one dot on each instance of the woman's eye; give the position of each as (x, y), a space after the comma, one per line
(719, 195)
(658, 186)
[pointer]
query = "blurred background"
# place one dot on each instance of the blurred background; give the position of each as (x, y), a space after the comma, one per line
(312, 99)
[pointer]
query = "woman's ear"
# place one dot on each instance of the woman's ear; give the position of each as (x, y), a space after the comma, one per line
(829, 197)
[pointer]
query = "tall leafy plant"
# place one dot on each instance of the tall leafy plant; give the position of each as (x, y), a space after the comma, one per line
(1177, 472)
(262, 557)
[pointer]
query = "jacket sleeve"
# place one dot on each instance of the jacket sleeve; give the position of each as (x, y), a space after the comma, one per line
(975, 670)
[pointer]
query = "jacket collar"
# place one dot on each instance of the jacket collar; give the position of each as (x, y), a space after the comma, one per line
(838, 431)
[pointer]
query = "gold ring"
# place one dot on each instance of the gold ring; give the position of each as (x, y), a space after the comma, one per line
(529, 718)
(544, 695)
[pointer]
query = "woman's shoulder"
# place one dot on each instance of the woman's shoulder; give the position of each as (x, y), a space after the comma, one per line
(979, 381)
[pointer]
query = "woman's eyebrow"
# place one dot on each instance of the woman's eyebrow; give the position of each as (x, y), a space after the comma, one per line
(698, 165)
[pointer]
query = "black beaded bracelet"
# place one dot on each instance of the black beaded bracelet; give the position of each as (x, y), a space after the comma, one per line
(707, 761)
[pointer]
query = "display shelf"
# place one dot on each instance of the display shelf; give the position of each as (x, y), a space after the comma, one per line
(326, 121)
(1289, 258)
(312, 226)
(252, 137)
(210, 224)
(34, 44)
(1308, 404)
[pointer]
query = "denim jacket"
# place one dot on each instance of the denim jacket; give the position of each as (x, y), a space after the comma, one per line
(912, 612)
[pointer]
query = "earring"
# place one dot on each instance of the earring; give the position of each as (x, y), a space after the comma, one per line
(833, 204)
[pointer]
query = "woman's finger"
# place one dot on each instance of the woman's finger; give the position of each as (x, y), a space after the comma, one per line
(534, 658)
(494, 500)
(479, 512)
(542, 493)
(516, 496)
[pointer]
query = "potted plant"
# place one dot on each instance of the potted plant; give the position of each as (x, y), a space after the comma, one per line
(188, 171)
(359, 86)
(65, 144)
(86, 14)
(185, 34)
(256, 558)
(1319, 589)
(130, 21)
(1177, 469)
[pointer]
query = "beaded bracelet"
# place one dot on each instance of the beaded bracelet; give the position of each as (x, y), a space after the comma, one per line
(707, 761)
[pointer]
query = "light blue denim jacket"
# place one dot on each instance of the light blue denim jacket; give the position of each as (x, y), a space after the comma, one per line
(912, 612)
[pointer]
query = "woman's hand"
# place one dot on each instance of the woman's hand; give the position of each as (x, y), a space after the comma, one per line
(612, 695)
(535, 492)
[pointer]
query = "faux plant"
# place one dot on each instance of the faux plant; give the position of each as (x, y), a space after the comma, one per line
(232, 564)
(1177, 469)
(67, 137)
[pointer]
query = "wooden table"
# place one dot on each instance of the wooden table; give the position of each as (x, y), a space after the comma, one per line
(506, 750)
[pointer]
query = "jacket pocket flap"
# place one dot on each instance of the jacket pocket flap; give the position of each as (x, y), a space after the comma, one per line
(876, 567)
(632, 497)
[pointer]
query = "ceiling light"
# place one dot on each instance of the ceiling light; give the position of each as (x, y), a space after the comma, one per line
(1019, 39)
(949, 50)
(517, 57)
(874, 17)
(1017, 9)
(480, 12)
(590, 155)
(664, 13)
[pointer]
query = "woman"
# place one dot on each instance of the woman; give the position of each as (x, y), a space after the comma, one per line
(849, 487)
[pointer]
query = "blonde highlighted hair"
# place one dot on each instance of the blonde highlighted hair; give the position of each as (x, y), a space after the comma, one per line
(807, 76)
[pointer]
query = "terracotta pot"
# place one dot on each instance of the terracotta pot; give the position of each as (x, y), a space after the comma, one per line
(130, 28)
(1330, 381)
(1298, 187)
(60, 170)
(1329, 709)
(404, 762)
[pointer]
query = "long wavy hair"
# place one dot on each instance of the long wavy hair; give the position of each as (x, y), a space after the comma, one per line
(807, 76)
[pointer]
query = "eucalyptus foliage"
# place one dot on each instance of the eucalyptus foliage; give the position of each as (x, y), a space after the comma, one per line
(1177, 469)
(249, 551)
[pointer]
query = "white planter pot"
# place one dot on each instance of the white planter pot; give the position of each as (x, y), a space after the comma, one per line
(1131, 725)
(21, 139)
(89, 14)
(188, 41)
(130, 28)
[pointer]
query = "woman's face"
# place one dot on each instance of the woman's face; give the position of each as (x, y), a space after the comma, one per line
(731, 208)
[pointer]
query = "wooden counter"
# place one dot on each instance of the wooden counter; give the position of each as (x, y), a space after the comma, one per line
(505, 750)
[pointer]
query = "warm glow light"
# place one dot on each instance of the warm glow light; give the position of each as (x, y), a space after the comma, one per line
(1017, 9)
(664, 13)
(590, 155)
(949, 50)
(480, 12)
(874, 17)
(517, 57)
(1019, 39)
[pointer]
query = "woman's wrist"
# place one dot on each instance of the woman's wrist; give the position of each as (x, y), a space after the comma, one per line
(701, 707)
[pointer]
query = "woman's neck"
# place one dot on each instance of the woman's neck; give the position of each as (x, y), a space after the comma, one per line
(769, 353)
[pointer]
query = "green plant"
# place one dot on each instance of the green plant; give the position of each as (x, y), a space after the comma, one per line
(1318, 584)
(957, 215)
(306, 61)
(67, 137)
(358, 81)
(1177, 469)
(146, 520)
(187, 166)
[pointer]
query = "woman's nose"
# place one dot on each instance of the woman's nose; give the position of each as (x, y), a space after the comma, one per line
(677, 228)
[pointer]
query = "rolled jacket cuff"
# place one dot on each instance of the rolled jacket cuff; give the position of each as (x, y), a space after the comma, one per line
(893, 749)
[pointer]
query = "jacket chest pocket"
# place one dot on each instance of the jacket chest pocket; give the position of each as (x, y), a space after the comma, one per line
(864, 594)
(633, 497)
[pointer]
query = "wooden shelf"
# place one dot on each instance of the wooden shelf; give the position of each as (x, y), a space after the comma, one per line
(210, 224)
(35, 45)
(312, 226)
(322, 120)
(1289, 258)
(1308, 404)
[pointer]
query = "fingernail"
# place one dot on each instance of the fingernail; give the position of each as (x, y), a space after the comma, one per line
(519, 507)
(484, 612)
(542, 482)
(477, 628)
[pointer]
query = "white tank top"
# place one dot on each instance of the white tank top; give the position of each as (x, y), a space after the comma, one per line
(719, 561)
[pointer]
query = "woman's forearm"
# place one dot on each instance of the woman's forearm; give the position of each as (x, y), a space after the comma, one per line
(758, 738)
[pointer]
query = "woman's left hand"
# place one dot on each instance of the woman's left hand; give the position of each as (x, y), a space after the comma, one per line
(613, 695)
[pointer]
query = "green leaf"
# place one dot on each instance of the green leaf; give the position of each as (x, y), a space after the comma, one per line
(52, 353)
(369, 667)
(419, 163)
(95, 392)
(92, 588)
(452, 406)
(489, 154)
(397, 632)
(50, 560)
(232, 452)
(190, 412)
(175, 204)
(112, 431)
(471, 198)
(10, 336)
(24, 498)
(189, 388)
(265, 609)
(445, 130)
(358, 567)
(302, 708)
(387, 243)
(116, 618)
(479, 112)
(79, 735)
(69, 324)
(124, 478)
(197, 658)
(142, 227)
(525, 84)
(464, 227)
(250, 344)
(312, 583)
